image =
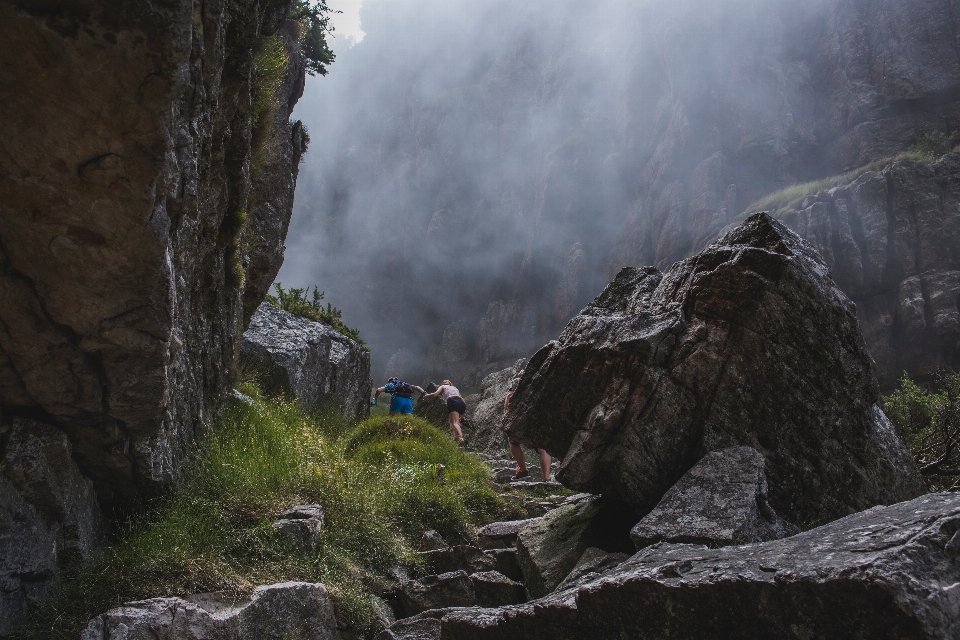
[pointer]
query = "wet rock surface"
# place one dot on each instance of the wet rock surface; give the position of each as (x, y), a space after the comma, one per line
(748, 343)
(888, 572)
(308, 360)
(49, 516)
(722, 500)
(274, 612)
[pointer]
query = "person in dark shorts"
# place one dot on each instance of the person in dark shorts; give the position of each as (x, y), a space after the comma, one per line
(456, 407)
(522, 472)
(401, 395)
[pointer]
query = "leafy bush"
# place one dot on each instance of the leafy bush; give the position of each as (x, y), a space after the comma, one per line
(934, 144)
(377, 482)
(295, 301)
(929, 422)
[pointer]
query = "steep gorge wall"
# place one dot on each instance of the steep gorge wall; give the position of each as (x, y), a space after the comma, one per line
(125, 165)
(892, 241)
(566, 144)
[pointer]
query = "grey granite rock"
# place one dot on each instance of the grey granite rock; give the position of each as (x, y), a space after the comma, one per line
(721, 500)
(274, 612)
(749, 342)
(452, 589)
(301, 525)
(487, 418)
(500, 535)
(505, 561)
(494, 589)
(308, 360)
(49, 516)
(431, 541)
(888, 572)
(459, 557)
(593, 562)
(549, 547)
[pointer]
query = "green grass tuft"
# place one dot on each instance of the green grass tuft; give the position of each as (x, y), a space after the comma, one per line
(377, 482)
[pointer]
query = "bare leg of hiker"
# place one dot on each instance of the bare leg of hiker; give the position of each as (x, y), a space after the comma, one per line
(455, 431)
(545, 464)
(522, 472)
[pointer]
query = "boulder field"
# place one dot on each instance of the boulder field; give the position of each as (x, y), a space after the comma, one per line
(888, 572)
(730, 404)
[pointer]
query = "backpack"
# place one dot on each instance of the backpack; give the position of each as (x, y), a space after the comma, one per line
(399, 388)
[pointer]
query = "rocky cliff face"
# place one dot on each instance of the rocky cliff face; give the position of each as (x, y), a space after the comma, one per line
(892, 241)
(125, 152)
(518, 137)
(129, 196)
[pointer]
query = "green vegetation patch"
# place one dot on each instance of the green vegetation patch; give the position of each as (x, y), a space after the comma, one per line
(295, 301)
(928, 420)
(378, 483)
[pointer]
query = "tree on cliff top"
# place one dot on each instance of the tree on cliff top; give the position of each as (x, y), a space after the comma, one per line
(315, 18)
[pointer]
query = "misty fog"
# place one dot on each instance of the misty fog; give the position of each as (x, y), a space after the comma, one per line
(478, 171)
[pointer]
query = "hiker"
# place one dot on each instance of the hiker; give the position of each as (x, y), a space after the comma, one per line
(456, 407)
(522, 472)
(401, 394)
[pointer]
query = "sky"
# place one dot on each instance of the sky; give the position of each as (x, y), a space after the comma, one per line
(346, 24)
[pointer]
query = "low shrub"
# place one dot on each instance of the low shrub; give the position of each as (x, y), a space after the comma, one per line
(295, 301)
(933, 144)
(928, 420)
(378, 483)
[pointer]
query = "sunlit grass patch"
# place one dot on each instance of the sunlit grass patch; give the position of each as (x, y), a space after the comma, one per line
(378, 483)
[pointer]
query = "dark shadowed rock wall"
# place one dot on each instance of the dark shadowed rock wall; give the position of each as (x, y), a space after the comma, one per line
(125, 161)
(892, 241)
(561, 144)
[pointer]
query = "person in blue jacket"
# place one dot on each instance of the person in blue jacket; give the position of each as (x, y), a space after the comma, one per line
(401, 394)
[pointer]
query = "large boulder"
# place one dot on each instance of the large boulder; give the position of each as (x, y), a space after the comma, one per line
(486, 421)
(549, 547)
(722, 500)
(308, 360)
(274, 612)
(748, 343)
(49, 517)
(888, 572)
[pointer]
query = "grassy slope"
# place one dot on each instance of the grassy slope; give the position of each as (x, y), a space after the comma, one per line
(789, 199)
(376, 481)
